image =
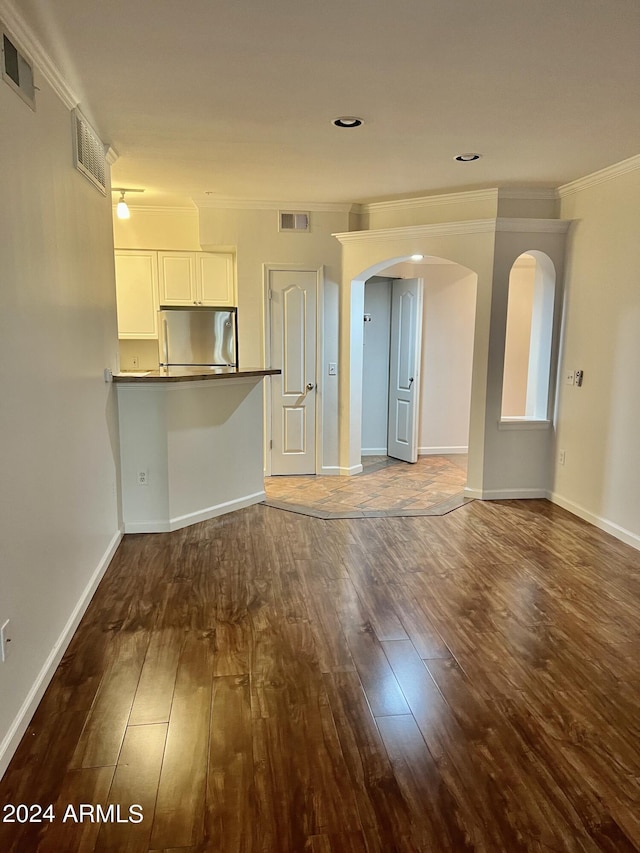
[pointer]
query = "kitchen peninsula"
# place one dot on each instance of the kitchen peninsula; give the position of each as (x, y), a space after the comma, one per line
(191, 444)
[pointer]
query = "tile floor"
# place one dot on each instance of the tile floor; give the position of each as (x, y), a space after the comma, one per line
(386, 488)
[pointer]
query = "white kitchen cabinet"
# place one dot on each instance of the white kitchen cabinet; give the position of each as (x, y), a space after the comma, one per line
(137, 293)
(196, 278)
(216, 276)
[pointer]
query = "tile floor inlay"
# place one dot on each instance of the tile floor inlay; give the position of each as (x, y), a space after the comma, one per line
(385, 488)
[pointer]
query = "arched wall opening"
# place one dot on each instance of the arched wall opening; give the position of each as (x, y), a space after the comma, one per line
(448, 320)
(506, 458)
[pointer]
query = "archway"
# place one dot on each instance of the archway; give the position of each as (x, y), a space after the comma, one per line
(505, 459)
(445, 362)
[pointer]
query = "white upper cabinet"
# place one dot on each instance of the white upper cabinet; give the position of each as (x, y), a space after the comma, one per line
(217, 281)
(196, 278)
(137, 293)
(177, 278)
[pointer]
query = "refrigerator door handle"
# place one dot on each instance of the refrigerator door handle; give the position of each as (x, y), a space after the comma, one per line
(166, 340)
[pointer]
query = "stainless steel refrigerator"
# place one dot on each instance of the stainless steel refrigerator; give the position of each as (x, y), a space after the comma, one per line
(194, 337)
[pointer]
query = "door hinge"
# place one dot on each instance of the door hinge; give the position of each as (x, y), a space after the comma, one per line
(270, 293)
(271, 444)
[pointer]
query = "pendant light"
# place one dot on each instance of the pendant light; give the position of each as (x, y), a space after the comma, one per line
(122, 208)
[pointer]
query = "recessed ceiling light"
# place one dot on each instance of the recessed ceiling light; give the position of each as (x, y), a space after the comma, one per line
(347, 121)
(467, 158)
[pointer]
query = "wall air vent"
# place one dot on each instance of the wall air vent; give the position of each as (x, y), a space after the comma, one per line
(17, 71)
(293, 220)
(89, 153)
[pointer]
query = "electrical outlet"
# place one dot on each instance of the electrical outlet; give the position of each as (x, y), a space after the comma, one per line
(143, 478)
(6, 638)
(570, 377)
(561, 457)
(135, 362)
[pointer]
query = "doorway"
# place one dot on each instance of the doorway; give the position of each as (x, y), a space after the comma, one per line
(293, 313)
(445, 363)
(391, 367)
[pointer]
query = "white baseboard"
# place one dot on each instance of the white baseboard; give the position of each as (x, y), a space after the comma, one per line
(422, 451)
(442, 451)
(621, 533)
(329, 471)
(180, 521)
(20, 724)
(349, 472)
(476, 494)
(504, 494)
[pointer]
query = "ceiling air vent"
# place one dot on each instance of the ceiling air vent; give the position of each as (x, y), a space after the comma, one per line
(293, 220)
(17, 71)
(88, 150)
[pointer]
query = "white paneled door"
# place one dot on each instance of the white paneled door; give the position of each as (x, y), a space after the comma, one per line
(293, 349)
(404, 365)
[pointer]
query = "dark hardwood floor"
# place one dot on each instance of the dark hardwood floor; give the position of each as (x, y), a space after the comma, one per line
(269, 682)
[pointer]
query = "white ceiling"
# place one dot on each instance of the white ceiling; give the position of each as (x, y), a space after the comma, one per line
(236, 97)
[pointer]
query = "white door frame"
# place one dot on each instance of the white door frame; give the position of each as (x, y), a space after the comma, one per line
(267, 269)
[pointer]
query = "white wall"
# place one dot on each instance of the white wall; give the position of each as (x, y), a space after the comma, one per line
(157, 228)
(447, 358)
(254, 233)
(59, 520)
(452, 207)
(597, 424)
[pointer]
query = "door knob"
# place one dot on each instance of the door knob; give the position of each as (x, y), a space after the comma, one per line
(310, 386)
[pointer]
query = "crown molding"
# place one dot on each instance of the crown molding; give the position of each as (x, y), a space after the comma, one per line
(450, 229)
(443, 229)
(600, 177)
(259, 204)
(37, 53)
(532, 226)
(429, 201)
(156, 208)
(528, 193)
(110, 154)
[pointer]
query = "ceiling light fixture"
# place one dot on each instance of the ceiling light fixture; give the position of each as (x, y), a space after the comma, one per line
(347, 121)
(122, 208)
(467, 158)
(417, 257)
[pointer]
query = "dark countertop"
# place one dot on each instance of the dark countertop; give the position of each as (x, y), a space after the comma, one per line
(192, 374)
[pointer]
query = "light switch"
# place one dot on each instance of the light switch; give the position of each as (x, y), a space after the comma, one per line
(333, 368)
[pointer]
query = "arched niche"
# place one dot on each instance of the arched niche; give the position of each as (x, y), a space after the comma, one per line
(528, 337)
